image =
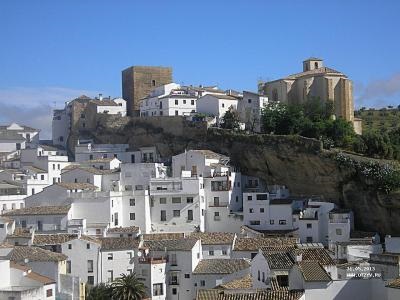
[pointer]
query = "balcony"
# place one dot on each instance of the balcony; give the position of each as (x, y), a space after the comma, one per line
(153, 260)
(173, 281)
(218, 204)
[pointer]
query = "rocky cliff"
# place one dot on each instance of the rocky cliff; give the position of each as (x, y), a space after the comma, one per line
(297, 162)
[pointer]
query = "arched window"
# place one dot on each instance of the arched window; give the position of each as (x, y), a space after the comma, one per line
(316, 65)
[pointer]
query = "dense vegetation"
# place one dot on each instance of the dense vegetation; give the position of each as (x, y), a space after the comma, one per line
(314, 119)
(126, 287)
(383, 119)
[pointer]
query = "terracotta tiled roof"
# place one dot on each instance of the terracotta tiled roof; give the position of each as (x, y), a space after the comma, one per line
(216, 294)
(77, 186)
(162, 236)
(209, 154)
(320, 255)
(89, 169)
(221, 266)
(395, 283)
(52, 239)
(130, 229)
(213, 238)
(170, 245)
(104, 102)
(245, 282)
(101, 160)
(279, 260)
(118, 243)
(39, 210)
(40, 278)
(276, 287)
(253, 244)
(313, 271)
(319, 71)
(20, 253)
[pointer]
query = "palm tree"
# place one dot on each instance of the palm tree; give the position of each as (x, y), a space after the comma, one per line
(99, 292)
(128, 287)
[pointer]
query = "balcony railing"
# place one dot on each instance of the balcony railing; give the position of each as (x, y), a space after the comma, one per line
(218, 204)
(153, 260)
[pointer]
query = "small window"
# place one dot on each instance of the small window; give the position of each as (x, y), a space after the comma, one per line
(41, 177)
(271, 222)
(176, 113)
(163, 200)
(192, 102)
(83, 116)
(202, 283)
(49, 293)
(261, 210)
(282, 222)
(176, 213)
(309, 225)
(249, 101)
(224, 251)
(68, 267)
(87, 246)
(211, 252)
(309, 239)
(187, 276)
(69, 246)
(132, 202)
(174, 291)
(176, 200)
(251, 210)
(90, 266)
(158, 289)
(338, 231)
(132, 216)
(153, 82)
(90, 280)
(176, 102)
(189, 199)
(184, 101)
(223, 104)
(249, 198)
(110, 256)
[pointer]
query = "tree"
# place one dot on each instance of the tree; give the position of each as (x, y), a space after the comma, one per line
(99, 292)
(128, 287)
(231, 119)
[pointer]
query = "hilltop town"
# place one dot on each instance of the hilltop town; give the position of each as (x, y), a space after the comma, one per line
(178, 185)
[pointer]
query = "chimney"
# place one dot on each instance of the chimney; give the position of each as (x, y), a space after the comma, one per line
(100, 97)
(299, 257)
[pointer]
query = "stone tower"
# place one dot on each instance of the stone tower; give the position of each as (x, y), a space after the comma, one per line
(312, 63)
(139, 81)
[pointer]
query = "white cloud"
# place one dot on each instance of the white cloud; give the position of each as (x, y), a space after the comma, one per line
(33, 106)
(379, 93)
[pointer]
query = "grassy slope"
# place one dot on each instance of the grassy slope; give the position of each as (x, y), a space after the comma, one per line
(383, 119)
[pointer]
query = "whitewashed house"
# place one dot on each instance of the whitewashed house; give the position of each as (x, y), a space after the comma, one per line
(20, 282)
(15, 137)
(216, 105)
(268, 211)
(182, 256)
(250, 109)
(177, 204)
(169, 100)
(41, 218)
(210, 273)
(90, 151)
(97, 260)
(12, 196)
(215, 244)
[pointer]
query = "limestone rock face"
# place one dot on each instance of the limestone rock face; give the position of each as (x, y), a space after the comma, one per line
(297, 162)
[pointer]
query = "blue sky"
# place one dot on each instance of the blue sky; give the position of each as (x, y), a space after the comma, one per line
(52, 51)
